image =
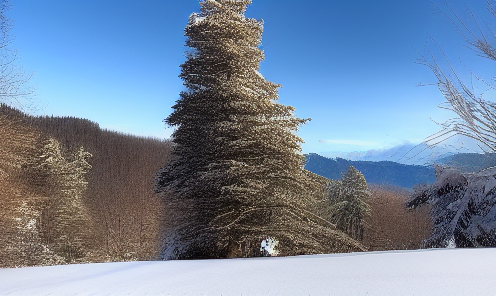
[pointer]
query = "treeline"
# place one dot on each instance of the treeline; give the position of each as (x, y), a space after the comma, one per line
(71, 192)
(121, 215)
(120, 191)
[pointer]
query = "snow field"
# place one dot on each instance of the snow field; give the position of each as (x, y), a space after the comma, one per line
(423, 272)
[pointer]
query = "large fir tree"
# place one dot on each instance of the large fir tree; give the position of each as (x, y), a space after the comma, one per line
(236, 175)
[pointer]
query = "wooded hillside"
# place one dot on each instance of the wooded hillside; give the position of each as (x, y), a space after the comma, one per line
(125, 213)
(72, 192)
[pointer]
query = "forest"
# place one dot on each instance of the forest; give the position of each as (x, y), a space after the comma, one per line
(117, 216)
(106, 178)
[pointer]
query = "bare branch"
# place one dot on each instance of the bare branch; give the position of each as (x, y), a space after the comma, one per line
(476, 116)
(14, 89)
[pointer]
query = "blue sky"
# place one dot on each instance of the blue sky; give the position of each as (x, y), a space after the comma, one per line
(349, 65)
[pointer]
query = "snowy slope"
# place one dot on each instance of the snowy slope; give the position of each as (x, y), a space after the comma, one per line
(428, 272)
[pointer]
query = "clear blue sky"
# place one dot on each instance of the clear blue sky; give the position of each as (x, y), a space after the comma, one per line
(349, 65)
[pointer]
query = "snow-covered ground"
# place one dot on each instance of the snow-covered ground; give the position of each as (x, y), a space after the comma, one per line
(428, 272)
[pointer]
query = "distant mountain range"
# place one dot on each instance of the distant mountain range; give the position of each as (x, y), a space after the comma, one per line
(397, 174)
(469, 162)
(412, 154)
(382, 172)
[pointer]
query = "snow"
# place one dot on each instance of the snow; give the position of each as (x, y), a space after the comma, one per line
(427, 272)
(259, 74)
(194, 19)
(249, 89)
(269, 247)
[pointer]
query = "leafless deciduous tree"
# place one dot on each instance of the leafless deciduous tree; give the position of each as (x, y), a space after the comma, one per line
(476, 115)
(391, 225)
(464, 205)
(14, 89)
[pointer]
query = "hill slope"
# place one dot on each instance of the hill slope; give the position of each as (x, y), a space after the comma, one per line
(126, 213)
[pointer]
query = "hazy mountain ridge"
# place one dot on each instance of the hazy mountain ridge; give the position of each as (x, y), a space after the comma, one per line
(469, 162)
(398, 173)
(410, 153)
(382, 172)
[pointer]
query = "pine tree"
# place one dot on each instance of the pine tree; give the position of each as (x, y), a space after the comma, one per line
(236, 176)
(349, 199)
(64, 219)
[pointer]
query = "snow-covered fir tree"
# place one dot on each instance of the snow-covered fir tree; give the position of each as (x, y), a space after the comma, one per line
(64, 220)
(236, 174)
(463, 208)
(349, 200)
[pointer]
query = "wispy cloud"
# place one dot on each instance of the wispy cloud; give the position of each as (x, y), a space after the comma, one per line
(351, 142)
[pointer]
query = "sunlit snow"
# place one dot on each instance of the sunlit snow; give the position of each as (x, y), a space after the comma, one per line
(259, 74)
(269, 247)
(195, 19)
(429, 272)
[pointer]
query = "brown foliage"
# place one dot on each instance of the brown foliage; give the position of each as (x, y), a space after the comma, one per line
(392, 226)
(122, 198)
(19, 242)
(125, 214)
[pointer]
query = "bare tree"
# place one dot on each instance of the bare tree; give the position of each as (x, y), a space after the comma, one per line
(14, 90)
(463, 205)
(476, 115)
(393, 226)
